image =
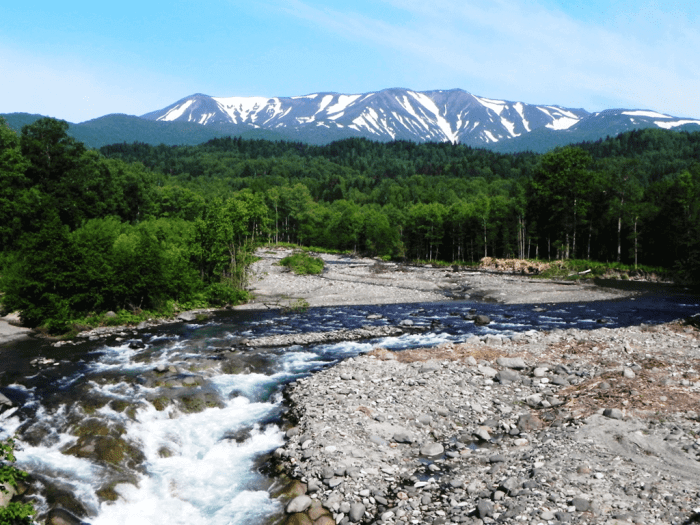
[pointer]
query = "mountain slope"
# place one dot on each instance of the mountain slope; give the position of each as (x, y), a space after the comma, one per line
(392, 114)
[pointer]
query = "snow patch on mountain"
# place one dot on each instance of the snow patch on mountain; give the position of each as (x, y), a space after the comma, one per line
(675, 124)
(444, 115)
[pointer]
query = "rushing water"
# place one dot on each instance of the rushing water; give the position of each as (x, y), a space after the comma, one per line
(203, 467)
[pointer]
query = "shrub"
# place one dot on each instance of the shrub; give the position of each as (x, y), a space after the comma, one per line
(303, 264)
(15, 512)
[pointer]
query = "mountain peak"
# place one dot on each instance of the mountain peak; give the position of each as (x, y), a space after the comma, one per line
(451, 115)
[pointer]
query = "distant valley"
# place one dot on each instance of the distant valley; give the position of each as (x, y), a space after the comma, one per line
(392, 114)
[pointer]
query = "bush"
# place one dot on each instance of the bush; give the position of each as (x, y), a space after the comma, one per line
(220, 294)
(303, 264)
(15, 512)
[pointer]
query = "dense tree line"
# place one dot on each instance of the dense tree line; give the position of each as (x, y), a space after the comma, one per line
(136, 227)
(81, 234)
(619, 199)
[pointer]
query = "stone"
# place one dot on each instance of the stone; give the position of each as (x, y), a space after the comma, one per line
(528, 422)
(512, 362)
(487, 371)
(430, 366)
(432, 449)
(298, 518)
(406, 322)
(508, 376)
(482, 320)
(402, 436)
(377, 440)
(581, 504)
(357, 511)
(61, 516)
(535, 400)
(628, 373)
(298, 504)
(613, 413)
(425, 419)
(483, 434)
(484, 509)
(510, 485)
(5, 497)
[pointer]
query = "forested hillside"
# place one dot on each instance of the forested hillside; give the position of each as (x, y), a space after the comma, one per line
(135, 227)
(632, 198)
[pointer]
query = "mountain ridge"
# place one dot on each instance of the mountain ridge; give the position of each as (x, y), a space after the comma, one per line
(452, 115)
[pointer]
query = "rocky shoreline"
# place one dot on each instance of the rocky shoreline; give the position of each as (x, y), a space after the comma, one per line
(569, 426)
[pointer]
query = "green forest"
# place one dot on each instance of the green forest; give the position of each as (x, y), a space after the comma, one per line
(134, 228)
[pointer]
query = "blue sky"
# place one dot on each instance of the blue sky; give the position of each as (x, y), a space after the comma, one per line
(81, 60)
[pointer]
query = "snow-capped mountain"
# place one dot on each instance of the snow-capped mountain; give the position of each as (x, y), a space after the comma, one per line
(401, 114)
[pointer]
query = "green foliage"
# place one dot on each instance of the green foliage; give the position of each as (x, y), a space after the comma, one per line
(303, 264)
(153, 228)
(15, 512)
(297, 306)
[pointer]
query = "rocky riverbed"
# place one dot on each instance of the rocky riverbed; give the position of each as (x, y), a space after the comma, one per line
(353, 280)
(597, 426)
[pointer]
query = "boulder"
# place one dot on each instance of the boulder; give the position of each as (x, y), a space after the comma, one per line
(482, 320)
(299, 504)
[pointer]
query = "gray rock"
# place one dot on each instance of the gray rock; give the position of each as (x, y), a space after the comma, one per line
(357, 511)
(487, 371)
(510, 485)
(483, 434)
(484, 509)
(613, 413)
(493, 340)
(403, 436)
(5, 401)
(508, 376)
(298, 504)
(527, 422)
(535, 400)
(430, 366)
(581, 504)
(432, 449)
(629, 373)
(377, 440)
(482, 320)
(512, 362)
(425, 419)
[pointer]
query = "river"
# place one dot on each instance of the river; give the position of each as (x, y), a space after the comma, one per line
(150, 420)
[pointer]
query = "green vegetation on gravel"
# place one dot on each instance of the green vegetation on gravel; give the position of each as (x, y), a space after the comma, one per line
(303, 264)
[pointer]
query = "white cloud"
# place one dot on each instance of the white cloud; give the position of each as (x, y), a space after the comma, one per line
(519, 48)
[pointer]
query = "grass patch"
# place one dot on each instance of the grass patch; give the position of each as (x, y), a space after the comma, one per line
(303, 264)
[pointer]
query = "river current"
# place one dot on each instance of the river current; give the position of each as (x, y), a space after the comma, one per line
(204, 466)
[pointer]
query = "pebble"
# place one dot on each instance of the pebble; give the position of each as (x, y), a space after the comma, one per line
(441, 442)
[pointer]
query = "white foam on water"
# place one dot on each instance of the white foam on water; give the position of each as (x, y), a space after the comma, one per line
(414, 341)
(204, 479)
